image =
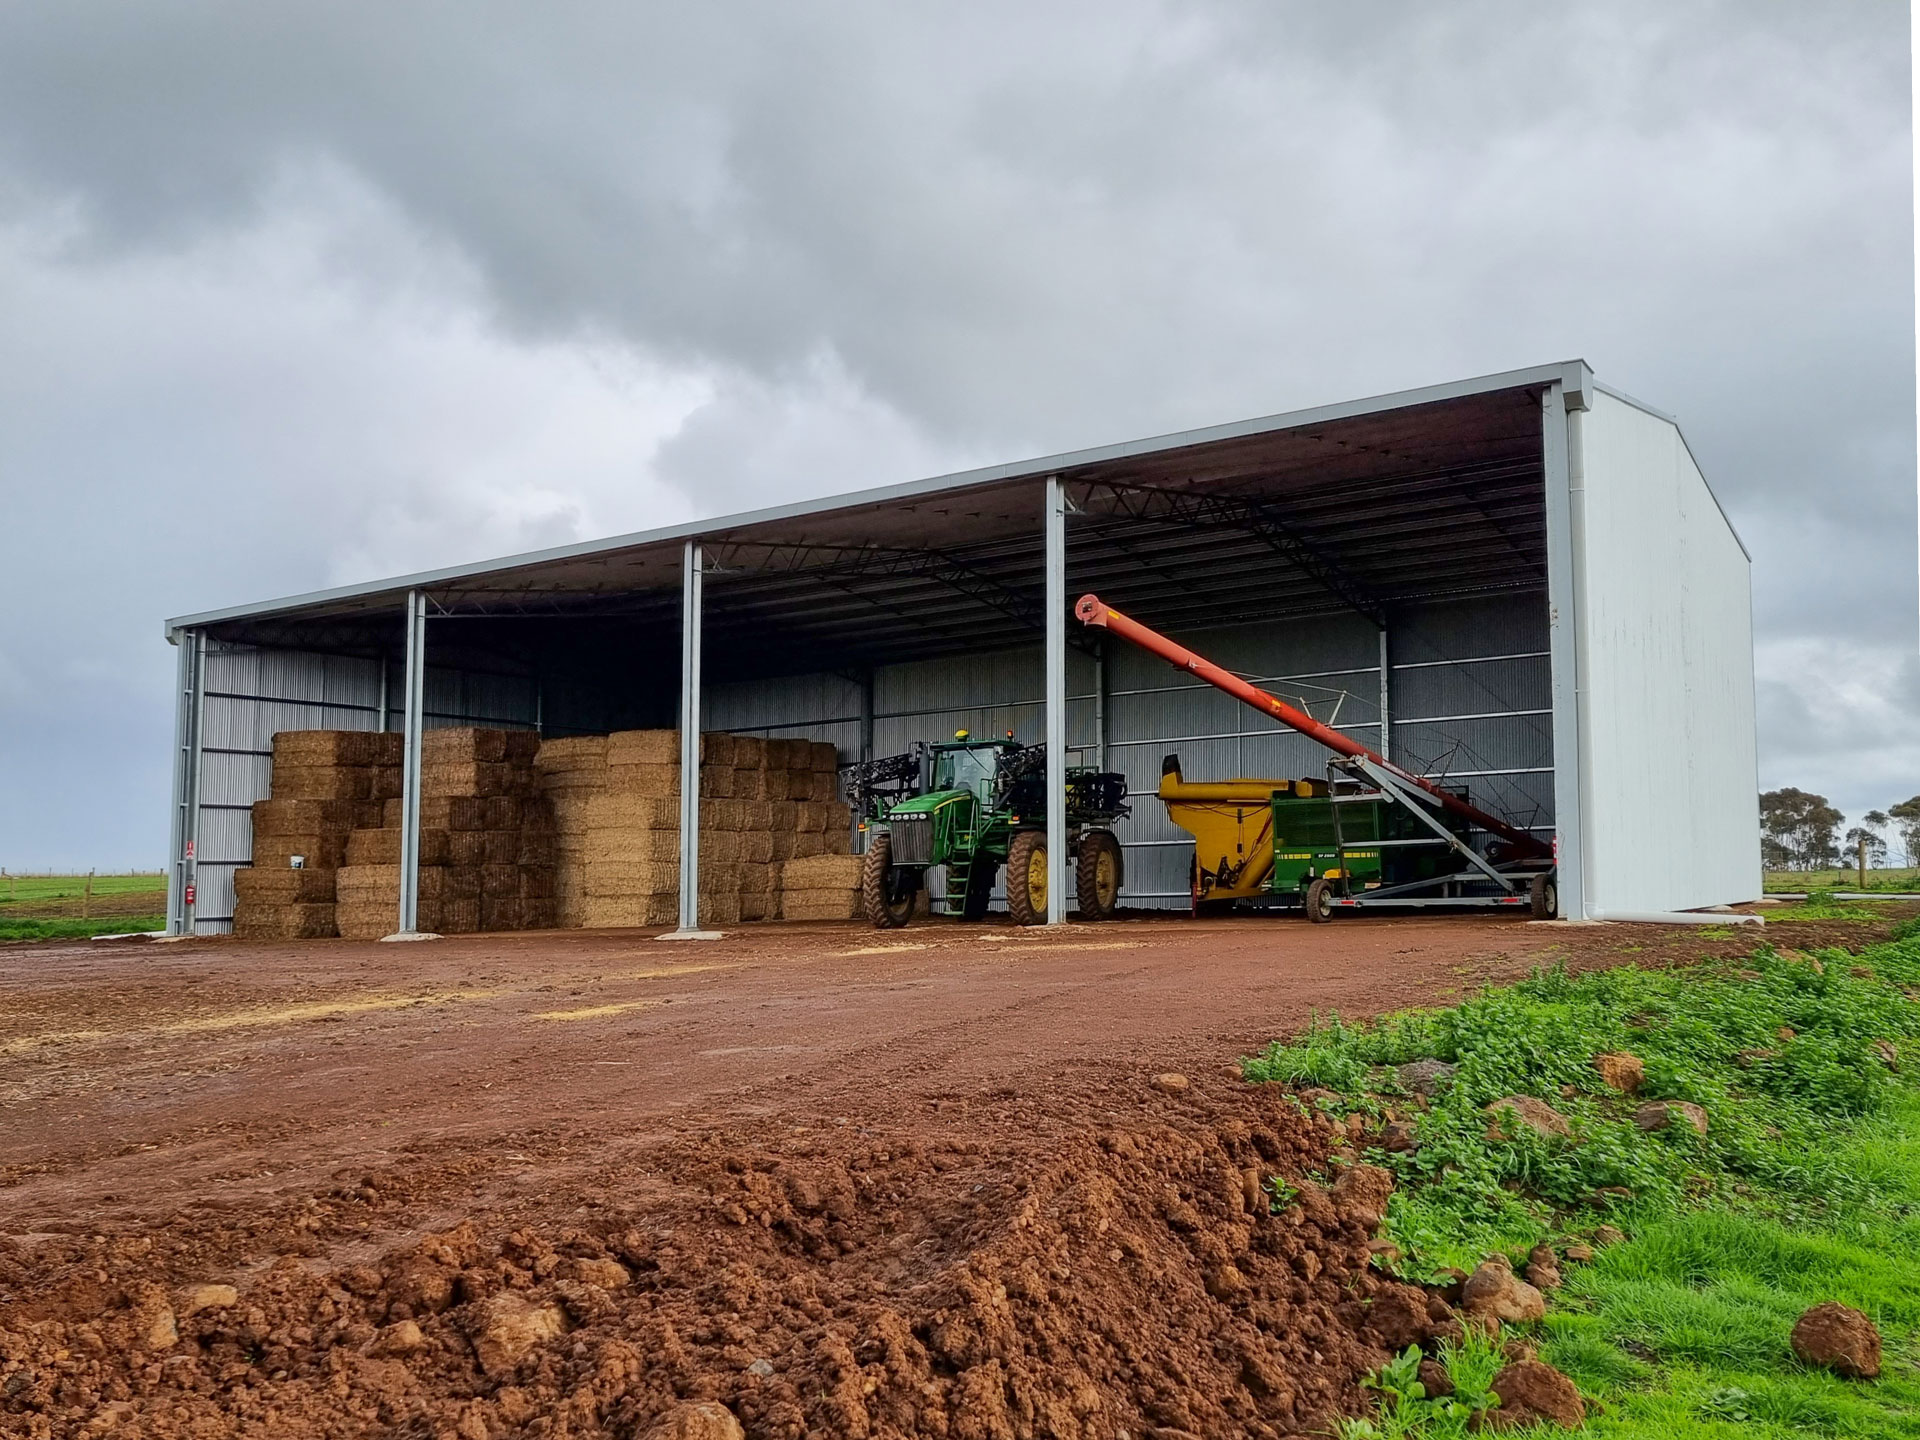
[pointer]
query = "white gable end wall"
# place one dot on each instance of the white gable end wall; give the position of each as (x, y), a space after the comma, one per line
(1668, 789)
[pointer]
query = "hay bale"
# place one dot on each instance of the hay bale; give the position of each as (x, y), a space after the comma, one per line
(322, 748)
(781, 844)
(822, 872)
(819, 905)
(321, 852)
(756, 846)
(478, 778)
(570, 911)
(463, 745)
(500, 847)
(361, 884)
(537, 848)
(776, 785)
(823, 757)
(631, 812)
(719, 877)
(572, 753)
(643, 747)
(498, 880)
(467, 847)
(321, 782)
(570, 813)
(809, 817)
(382, 847)
(608, 879)
(779, 753)
(306, 817)
(661, 782)
(716, 748)
(366, 919)
(606, 912)
(749, 784)
(749, 752)
(504, 812)
(536, 882)
(283, 886)
(716, 781)
(630, 845)
(758, 907)
(721, 907)
(454, 915)
(719, 847)
(807, 843)
(440, 812)
(540, 913)
(501, 912)
(385, 782)
(757, 879)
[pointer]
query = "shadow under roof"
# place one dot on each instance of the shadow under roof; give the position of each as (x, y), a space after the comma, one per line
(1365, 506)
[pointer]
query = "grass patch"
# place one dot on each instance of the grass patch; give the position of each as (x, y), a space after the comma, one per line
(14, 928)
(37, 889)
(1799, 882)
(1806, 1186)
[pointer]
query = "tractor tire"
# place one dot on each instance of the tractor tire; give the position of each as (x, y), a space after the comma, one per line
(1098, 874)
(1320, 902)
(877, 899)
(979, 891)
(1543, 895)
(1027, 878)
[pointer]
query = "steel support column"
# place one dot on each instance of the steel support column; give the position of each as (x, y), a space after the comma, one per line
(413, 722)
(1563, 645)
(182, 883)
(1386, 746)
(1056, 528)
(690, 565)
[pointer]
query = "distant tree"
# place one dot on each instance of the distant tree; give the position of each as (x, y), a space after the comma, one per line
(1803, 828)
(1905, 819)
(1876, 846)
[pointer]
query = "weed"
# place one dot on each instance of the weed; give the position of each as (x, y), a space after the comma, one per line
(26, 929)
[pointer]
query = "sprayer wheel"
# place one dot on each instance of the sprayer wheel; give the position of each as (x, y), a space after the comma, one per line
(1098, 874)
(1027, 878)
(878, 882)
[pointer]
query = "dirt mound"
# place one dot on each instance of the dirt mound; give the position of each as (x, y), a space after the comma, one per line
(843, 1281)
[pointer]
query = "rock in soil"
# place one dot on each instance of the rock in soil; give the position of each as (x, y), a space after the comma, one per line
(1620, 1071)
(1532, 1392)
(1838, 1338)
(1425, 1077)
(1171, 1083)
(506, 1329)
(1659, 1114)
(1494, 1292)
(1528, 1112)
(698, 1420)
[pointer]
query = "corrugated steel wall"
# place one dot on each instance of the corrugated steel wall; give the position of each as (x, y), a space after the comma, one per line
(1470, 699)
(1668, 794)
(251, 694)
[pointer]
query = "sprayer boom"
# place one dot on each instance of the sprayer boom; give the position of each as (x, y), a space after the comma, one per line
(1091, 610)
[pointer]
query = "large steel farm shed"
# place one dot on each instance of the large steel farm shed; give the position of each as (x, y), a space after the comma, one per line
(1520, 582)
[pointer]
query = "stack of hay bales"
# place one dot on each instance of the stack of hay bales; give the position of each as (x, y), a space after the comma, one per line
(617, 812)
(486, 843)
(325, 785)
(820, 887)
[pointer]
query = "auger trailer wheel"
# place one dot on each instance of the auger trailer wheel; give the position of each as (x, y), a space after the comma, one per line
(1320, 902)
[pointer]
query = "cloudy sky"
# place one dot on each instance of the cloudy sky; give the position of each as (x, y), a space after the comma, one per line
(296, 295)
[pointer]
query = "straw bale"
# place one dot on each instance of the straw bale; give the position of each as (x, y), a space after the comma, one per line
(536, 882)
(839, 840)
(752, 815)
(499, 880)
(539, 913)
(749, 752)
(366, 919)
(536, 815)
(304, 817)
(720, 908)
(570, 911)
(504, 812)
(809, 817)
(756, 846)
(385, 747)
(452, 916)
(808, 843)
(721, 847)
(500, 847)
(322, 852)
(659, 781)
(522, 746)
(474, 777)
(561, 785)
(321, 782)
(257, 919)
(631, 845)
(463, 745)
(782, 843)
(757, 907)
(537, 847)
(467, 847)
(779, 752)
(441, 812)
(501, 912)
(629, 812)
(719, 877)
(777, 785)
(634, 877)
(570, 813)
(823, 757)
(749, 784)
(607, 912)
(327, 748)
(819, 905)
(756, 879)
(821, 872)
(385, 782)
(356, 883)
(283, 886)
(716, 748)
(571, 752)
(643, 747)
(382, 847)
(716, 781)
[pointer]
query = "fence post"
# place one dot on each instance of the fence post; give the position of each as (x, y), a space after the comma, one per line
(86, 899)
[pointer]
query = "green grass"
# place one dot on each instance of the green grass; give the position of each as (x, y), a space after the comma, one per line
(1794, 882)
(1805, 1188)
(39, 889)
(14, 928)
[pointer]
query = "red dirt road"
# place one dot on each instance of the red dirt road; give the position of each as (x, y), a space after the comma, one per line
(136, 1077)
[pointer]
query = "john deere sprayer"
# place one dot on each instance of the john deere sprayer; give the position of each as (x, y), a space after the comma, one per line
(974, 806)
